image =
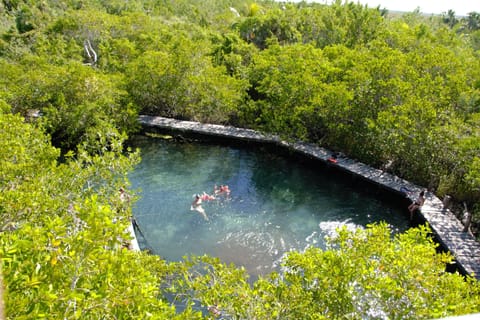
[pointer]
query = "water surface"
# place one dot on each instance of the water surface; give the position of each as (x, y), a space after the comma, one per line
(277, 203)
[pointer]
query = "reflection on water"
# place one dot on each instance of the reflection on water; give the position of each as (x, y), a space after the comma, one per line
(276, 204)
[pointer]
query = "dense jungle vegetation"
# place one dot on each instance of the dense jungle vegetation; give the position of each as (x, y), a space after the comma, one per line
(397, 91)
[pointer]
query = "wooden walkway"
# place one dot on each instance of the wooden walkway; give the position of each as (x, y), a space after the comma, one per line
(448, 229)
(134, 241)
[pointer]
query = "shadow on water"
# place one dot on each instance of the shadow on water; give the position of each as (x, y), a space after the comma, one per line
(280, 202)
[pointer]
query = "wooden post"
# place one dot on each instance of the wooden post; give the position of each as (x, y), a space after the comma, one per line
(468, 218)
(446, 202)
(2, 301)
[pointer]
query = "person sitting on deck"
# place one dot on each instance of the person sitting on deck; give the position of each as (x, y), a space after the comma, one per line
(333, 158)
(417, 204)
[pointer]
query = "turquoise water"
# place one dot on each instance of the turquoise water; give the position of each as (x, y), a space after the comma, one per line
(277, 203)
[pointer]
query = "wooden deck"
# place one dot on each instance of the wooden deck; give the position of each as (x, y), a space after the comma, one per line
(448, 229)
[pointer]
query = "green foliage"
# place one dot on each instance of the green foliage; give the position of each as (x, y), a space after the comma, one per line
(232, 52)
(62, 233)
(19, 157)
(295, 87)
(74, 100)
(180, 82)
(259, 29)
(401, 92)
(156, 85)
(363, 274)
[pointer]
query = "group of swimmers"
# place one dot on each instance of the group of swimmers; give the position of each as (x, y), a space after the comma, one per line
(222, 190)
(225, 190)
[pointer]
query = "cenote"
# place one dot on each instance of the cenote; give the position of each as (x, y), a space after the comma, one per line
(277, 203)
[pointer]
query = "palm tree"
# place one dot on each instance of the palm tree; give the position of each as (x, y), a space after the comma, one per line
(449, 18)
(473, 21)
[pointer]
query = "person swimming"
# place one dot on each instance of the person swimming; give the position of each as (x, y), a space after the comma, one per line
(223, 189)
(197, 206)
(206, 197)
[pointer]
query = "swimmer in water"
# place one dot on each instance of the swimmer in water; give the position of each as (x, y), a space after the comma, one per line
(223, 189)
(206, 197)
(197, 206)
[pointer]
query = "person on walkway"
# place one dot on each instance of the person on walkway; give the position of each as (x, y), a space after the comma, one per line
(417, 204)
(197, 206)
(124, 196)
(333, 158)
